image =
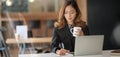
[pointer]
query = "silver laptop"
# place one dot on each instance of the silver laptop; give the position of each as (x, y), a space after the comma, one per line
(88, 45)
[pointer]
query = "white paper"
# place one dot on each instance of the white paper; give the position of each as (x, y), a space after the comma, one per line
(45, 55)
(66, 55)
(21, 30)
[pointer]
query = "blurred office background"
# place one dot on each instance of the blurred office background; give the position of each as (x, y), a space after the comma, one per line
(102, 17)
(38, 15)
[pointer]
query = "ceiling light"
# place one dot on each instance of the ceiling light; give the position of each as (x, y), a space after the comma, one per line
(9, 3)
(31, 0)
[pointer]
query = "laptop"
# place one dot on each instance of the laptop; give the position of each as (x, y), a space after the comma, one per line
(89, 45)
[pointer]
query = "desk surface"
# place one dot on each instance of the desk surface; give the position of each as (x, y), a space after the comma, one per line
(105, 54)
(29, 40)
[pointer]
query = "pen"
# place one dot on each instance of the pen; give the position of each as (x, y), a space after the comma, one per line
(62, 45)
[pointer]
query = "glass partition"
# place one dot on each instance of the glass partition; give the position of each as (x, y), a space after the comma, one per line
(30, 5)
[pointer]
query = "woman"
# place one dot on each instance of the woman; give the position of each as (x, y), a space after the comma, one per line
(69, 15)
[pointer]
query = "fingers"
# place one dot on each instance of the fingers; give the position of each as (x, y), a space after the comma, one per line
(79, 33)
(62, 51)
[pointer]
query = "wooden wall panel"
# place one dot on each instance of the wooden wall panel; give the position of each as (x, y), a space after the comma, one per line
(83, 7)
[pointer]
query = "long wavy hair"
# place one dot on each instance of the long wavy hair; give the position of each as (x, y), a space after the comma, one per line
(61, 22)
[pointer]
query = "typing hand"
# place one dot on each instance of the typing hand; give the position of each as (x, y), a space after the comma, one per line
(62, 51)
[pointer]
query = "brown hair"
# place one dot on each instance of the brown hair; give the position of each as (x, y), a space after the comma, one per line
(61, 22)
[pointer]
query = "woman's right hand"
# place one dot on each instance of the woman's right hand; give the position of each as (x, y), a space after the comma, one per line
(62, 51)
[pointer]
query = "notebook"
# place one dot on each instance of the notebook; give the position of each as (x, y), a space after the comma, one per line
(89, 45)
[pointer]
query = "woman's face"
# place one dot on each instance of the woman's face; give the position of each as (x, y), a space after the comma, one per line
(70, 14)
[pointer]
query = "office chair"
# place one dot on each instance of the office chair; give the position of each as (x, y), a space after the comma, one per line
(3, 46)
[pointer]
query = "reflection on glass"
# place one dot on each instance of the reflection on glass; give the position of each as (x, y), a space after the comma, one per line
(31, 5)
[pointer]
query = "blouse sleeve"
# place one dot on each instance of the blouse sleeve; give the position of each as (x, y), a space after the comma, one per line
(55, 41)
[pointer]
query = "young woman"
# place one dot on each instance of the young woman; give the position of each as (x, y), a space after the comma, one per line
(63, 41)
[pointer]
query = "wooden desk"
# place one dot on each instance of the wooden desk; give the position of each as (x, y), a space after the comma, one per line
(30, 40)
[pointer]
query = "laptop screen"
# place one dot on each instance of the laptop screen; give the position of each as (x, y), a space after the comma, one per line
(89, 45)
